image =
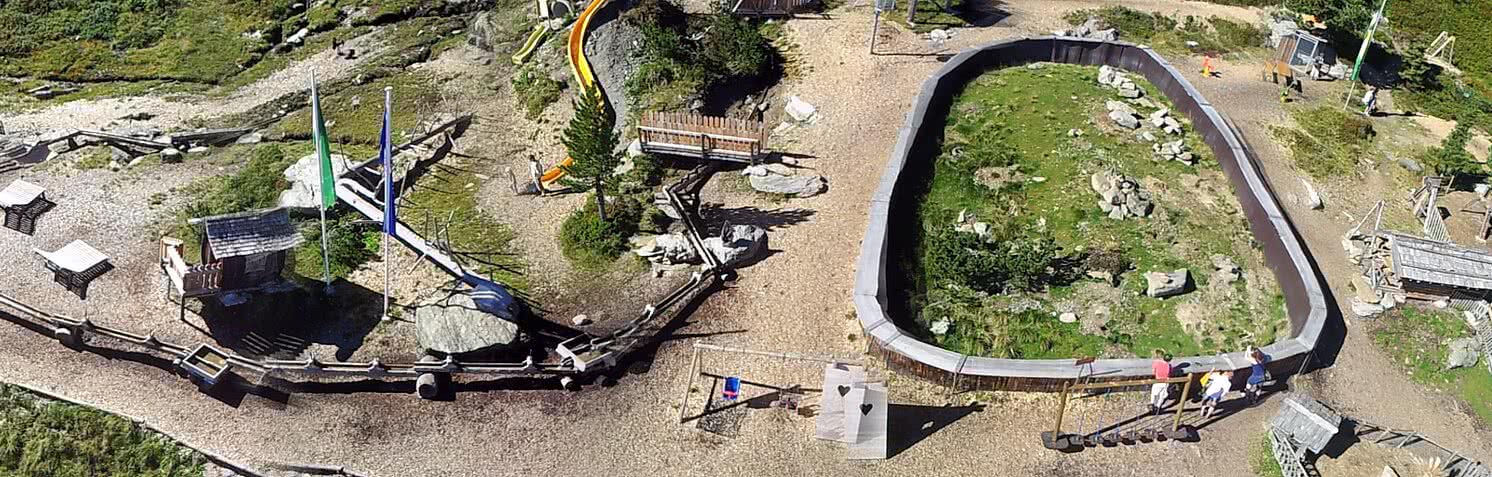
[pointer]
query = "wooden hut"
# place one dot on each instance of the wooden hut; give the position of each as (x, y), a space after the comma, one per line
(1430, 270)
(240, 252)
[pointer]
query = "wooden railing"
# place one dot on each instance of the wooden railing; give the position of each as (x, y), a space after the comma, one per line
(704, 137)
(189, 280)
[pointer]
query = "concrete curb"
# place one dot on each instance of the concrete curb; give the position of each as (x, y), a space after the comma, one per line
(1283, 253)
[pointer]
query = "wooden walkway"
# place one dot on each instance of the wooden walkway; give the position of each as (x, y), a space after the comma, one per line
(769, 8)
(703, 137)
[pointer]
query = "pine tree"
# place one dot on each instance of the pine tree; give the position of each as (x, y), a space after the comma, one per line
(592, 142)
(1451, 158)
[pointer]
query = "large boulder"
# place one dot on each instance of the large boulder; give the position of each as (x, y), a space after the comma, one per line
(305, 181)
(668, 249)
(780, 179)
(739, 245)
(1463, 354)
(800, 110)
(468, 321)
(1162, 284)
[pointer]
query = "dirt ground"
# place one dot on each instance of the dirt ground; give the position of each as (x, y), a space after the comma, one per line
(797, 300)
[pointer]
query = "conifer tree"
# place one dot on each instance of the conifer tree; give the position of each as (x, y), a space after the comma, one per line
(592, 142)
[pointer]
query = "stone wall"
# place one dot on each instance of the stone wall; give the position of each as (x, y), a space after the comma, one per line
(917, 146)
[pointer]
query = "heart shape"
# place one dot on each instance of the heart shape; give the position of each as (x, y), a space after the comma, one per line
(865, 408)
(843, 390)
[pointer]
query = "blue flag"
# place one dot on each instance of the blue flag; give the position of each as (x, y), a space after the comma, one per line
(386, 155)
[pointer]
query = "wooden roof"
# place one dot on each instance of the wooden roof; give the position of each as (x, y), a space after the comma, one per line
(250, 233)
(1441, 263)
(20, 193)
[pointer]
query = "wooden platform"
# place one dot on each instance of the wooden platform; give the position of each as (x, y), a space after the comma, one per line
(703, 137)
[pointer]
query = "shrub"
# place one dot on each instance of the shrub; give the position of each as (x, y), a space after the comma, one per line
(349, 246)
(535, 91)
(43, 438)
(1129, 21)
(989, 265)
(1235, 36)
(1451, 157)
(592, 243)
(734, 47)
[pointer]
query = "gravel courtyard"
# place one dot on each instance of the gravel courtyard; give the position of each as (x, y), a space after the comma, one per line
(797, 300)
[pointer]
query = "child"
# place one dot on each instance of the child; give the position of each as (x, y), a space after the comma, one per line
(1257, 374)
(1161, 365)
(1370, 101)
(1217, 386)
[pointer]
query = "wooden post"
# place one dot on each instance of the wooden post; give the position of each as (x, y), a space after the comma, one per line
(1186, 389)
(1061, 409)
(688, 388)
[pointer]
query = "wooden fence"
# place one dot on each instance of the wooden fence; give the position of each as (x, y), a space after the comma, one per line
(703, 137)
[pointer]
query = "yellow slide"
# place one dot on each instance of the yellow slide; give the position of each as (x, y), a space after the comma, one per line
(582, 70)
(534, 39)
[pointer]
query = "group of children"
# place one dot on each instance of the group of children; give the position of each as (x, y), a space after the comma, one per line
(1215, 384)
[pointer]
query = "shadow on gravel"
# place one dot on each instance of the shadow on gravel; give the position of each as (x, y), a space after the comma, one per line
(908, 424)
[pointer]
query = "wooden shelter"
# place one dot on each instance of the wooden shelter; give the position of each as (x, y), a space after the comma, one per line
(23, 203)
(1429, 270)
(1294, 57)
(240, 252)
(703, 137)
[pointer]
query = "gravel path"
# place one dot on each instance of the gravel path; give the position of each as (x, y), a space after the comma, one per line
(796, 300)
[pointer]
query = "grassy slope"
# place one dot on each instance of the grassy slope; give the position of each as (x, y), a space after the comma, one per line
(1416, 338)
(474, 233)
(1036, 107)
(45, 438)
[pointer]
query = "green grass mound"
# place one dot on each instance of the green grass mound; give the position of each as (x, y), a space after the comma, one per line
(1020, 179)
(1417, 338)
(55, 439)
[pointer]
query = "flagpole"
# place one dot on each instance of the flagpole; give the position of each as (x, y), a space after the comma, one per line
(1362, 52)
(316, 125)
(388, 190)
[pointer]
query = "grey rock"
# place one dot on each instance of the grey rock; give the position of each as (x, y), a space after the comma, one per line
(454, 325)
(1410, 165)
(800, 186)
(1123, 119)
(1113, 105)
(1463, 353)
(305, 181)
(1068, 317)
(674, 248)
(1365, 310)
(1131, 92)
(800, 110)
(298, 38)
(580, 320)
(251, 138)
(171, 155)
(1162, 284)
(940, 327)
(739, 244)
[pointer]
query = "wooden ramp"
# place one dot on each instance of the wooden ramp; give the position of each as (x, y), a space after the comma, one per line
(703, 137)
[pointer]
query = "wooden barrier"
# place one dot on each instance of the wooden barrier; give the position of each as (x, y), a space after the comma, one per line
(703, 137)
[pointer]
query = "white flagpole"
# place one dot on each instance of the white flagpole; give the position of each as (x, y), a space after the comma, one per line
(326, 257)
(388, 189)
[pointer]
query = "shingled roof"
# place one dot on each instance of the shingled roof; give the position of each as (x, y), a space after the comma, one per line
(1441, 263)
(250, 233)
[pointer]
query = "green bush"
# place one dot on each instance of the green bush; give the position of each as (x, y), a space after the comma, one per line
(535, 91)
(592, 243)
(1236, 36)
(733, 47)
(1006, 259)
(53, 439)
(1451, 157)
(349, 244)
(684, 56)
(1130, 22)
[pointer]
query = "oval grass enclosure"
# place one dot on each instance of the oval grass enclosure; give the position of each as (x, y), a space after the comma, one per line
(919, 144)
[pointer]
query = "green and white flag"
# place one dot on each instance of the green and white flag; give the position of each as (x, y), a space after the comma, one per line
(1367, 40)
(323, 150)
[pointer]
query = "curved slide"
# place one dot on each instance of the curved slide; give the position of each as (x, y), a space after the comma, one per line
(534, 39)
(581, 68)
